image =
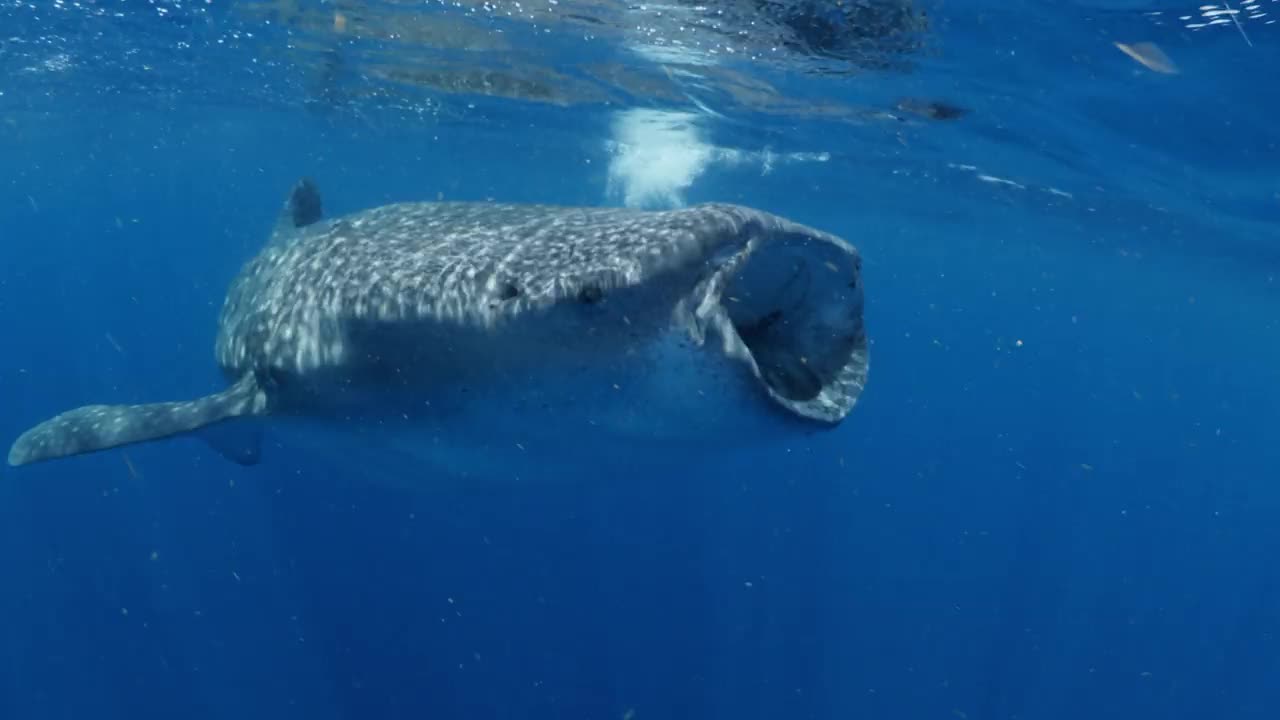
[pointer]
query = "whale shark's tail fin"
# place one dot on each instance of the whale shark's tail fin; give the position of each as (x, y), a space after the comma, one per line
(100, 427)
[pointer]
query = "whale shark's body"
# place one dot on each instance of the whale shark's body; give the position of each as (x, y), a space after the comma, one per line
(518, 325)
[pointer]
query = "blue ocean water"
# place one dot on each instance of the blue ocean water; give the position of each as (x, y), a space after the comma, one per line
(1054, 500)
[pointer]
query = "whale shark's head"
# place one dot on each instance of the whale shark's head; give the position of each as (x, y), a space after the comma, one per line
(768, 342)
(764, 339)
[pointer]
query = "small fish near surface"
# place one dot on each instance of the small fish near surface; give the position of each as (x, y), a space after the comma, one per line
(491, 325)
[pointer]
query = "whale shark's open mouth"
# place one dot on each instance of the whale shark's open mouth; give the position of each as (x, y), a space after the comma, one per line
(794, 303)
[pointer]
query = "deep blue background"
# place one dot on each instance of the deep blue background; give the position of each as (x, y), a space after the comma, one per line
(1079, 525)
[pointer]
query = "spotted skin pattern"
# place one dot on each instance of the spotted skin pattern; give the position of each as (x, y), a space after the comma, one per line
(474, 264)
(472, 267)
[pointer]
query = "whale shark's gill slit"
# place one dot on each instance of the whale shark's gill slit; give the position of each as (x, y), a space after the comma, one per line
(796, 310)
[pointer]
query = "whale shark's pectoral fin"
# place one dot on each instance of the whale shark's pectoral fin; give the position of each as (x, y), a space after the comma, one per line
(100, 427)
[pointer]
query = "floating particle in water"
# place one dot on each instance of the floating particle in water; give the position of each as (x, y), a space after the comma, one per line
(128, 464)
(1150, 56)
(1000, 181)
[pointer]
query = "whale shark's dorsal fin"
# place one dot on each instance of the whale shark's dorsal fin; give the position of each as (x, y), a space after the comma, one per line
(304, 203)
(303, 207)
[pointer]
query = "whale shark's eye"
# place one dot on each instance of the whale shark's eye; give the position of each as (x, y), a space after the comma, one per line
(590, 294)
(508, 291)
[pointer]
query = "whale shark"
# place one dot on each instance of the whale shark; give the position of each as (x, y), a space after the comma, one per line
(485, 324)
